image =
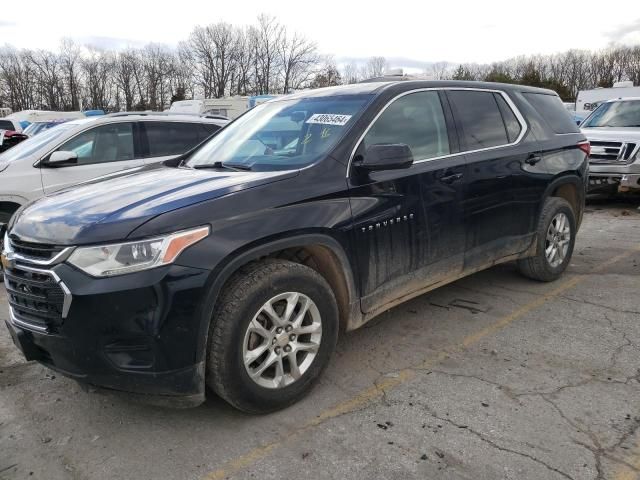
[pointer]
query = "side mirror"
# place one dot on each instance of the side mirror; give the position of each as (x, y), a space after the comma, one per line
(392, 156)
(61, 158)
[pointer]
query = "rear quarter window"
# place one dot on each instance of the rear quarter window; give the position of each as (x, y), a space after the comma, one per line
(550, 108)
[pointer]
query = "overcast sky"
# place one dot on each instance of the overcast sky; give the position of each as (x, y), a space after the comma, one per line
(430, 31)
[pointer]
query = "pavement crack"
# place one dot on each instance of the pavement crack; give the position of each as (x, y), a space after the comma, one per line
(596, 449)
(495, 445)
(516, 290)
(483, 292)
(596, 304)
(503, 388)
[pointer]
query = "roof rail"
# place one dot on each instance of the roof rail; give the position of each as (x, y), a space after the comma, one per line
(214, 117)
(125, 114)
(167, 114)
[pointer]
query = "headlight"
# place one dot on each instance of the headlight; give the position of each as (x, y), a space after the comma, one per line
(120, 258)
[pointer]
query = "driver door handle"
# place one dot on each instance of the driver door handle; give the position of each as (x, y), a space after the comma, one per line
(449, 179)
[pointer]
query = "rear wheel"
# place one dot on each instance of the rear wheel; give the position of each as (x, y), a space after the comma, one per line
(555, 241)
(273, 331)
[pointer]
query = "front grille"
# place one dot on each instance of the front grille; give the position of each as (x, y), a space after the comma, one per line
(603, 152)
(36, 298)
(36, 251)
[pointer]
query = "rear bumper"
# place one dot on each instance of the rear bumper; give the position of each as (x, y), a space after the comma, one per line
(137, 334)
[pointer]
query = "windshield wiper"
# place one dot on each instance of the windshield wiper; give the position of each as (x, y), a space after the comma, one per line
(236, 167)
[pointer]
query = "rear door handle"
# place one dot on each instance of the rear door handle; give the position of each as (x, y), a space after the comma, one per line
(533, 159)
(449, 179)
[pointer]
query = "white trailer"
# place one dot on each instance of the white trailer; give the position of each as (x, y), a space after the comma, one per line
(44, 116)
(231, 107)
(589, 100)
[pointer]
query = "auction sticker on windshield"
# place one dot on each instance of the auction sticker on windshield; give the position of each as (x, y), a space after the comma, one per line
(328, 119)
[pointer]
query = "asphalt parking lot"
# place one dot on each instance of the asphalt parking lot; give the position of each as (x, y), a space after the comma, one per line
(494, 376)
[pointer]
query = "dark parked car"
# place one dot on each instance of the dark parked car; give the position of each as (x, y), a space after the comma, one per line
(10, 138)
(236, 265)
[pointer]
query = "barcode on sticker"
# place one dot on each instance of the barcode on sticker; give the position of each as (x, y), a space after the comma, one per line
(328, 119)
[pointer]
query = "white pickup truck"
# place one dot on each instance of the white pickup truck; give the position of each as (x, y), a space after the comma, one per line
(613, 130)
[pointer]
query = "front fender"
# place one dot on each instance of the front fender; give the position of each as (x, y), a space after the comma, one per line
(262, 248)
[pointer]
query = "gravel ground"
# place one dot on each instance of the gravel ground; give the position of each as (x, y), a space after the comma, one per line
(492, 377)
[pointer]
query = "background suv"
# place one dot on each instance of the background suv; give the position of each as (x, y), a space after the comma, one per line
(237, 265)
(91, 147)
(614, 132)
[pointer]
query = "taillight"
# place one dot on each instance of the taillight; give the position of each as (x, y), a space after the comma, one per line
(585, 147)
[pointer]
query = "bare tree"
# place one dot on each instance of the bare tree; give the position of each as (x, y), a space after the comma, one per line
(97, 68)
(351, 73)
(48, 88)
(244, 57)
(298, 57)
(327, 75)
(268, 37)
(375, 67)
(222, 59)
(70, 66)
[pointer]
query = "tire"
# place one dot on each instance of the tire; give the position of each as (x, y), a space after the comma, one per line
(242, 303)
(540, 267)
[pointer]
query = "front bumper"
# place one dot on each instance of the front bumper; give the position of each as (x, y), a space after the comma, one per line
(139, 333)
(619, 181)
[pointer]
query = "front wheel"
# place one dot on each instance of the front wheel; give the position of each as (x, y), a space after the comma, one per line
(556, 237)
(273, 331)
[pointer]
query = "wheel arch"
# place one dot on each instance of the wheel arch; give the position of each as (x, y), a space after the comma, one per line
(319, 251)
(571, 188)
(9, 205)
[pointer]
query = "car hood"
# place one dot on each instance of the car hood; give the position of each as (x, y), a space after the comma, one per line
(627, 134)
(111, 208)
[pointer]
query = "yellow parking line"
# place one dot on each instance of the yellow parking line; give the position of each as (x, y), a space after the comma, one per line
(387, 383)
(628, 473)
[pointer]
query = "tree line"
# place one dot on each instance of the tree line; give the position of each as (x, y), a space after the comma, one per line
(567, 73)
(216, 60)
(221, 59)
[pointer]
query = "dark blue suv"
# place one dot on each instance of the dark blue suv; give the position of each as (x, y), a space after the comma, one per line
(235, 266)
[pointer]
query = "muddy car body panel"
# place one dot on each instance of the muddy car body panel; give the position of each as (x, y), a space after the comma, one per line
(377, 237)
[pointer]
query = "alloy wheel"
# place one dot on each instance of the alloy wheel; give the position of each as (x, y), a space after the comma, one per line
(282, 340)
(557, 241)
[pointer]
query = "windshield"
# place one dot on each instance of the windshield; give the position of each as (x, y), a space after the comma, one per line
(39, 127)
(615, 114)
(29, 146)
(282, 135)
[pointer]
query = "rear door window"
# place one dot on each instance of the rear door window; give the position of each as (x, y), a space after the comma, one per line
(416, 120)
(550, 108)
(171, 138)
(479, 116)
(208, 129)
